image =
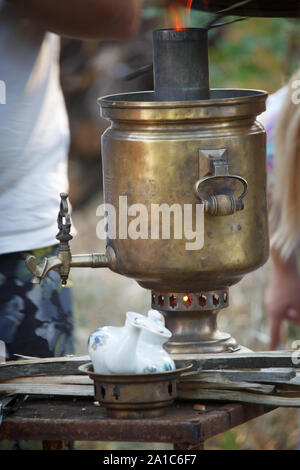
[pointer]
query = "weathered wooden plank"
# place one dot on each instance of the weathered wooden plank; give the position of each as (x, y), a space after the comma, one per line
(257, 376)
(47, 389)
(259, 388)
(193, 393)
(53, 379)
(255, 360)
(69, 365)
(36, 367)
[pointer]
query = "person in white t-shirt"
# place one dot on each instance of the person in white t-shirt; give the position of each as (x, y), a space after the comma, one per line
(34, 145)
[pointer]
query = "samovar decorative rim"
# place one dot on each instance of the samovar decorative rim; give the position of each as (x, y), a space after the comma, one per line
(225, 103)
(145, 99)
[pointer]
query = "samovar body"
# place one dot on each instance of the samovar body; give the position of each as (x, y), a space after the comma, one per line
(175, 155)
(154, 153)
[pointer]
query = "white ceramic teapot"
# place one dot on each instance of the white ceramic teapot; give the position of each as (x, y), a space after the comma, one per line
(135, 348)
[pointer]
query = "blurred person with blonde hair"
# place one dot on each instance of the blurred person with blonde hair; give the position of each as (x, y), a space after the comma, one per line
(282, 123)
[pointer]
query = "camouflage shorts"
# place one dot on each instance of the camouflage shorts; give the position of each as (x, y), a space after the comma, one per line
(35, 320)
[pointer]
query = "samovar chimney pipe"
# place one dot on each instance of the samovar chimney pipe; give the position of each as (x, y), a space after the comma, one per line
(181, 70)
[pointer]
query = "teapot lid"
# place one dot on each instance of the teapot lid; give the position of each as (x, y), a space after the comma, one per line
(156, 316)
(152, 322)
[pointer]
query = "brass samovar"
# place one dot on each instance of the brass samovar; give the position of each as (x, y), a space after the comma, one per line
(182, 145)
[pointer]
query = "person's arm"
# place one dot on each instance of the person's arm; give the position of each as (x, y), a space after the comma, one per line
(282, 300)
(84, 19)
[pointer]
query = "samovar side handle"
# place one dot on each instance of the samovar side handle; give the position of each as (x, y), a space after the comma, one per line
(220, 204)
(64, 260)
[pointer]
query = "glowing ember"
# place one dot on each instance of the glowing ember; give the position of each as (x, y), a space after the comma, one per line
(187, 300)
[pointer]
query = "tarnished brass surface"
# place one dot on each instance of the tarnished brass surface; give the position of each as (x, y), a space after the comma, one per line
(210, 151)
(138, 395)
(192, 318)
(93, 260)
(151, 155)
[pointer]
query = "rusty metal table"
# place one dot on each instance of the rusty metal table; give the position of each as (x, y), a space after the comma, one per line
(57, 421)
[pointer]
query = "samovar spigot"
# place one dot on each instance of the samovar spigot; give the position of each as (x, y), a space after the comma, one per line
(64, 260)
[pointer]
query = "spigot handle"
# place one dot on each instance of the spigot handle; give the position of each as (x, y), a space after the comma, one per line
(64, 259)
(64, 237)
(64, 224)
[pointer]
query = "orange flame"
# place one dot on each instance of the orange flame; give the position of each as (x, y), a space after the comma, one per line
(178, 21)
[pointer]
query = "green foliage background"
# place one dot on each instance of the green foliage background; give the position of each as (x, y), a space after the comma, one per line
(256, 53)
